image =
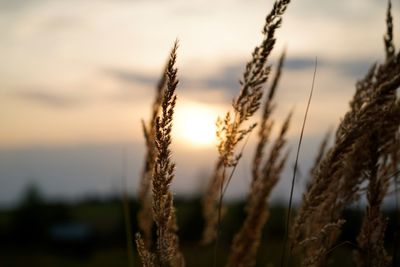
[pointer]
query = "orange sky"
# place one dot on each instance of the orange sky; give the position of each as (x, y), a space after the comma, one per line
(82, 72)
(62, 61)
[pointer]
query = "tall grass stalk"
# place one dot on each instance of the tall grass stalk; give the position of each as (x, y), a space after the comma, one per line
(231, 129)
(365, 151)
(290, 204)
(167, 251)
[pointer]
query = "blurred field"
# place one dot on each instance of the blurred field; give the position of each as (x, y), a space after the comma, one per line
(26, 233)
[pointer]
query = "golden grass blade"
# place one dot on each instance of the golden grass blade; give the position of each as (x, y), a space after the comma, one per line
(231, 129)
(335, 183)
(167, 249)
(145, 214)
(167, 244)
(388, 38)
(246, 241)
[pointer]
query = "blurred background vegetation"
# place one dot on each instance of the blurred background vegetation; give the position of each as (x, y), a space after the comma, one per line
(91, 232)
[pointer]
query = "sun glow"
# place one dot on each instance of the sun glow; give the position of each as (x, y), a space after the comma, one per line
(195, 124)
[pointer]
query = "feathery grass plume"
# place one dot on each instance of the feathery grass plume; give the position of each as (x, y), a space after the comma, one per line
(375, 108)
(332, 186)
(395, 158)
(145, 214)
(388, 38)
(167, 245)
(266, 122)
(246, 241)
(320, 253)
(167, 251)
(147, 258)
(371, 237)
(230, 129)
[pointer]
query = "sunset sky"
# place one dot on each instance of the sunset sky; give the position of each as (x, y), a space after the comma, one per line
(76, 78)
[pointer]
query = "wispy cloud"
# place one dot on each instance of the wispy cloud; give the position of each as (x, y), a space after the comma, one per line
(353, 68)
(227, 77)
(48, 99)
(130, 76)
(225, 80)
(8, 6)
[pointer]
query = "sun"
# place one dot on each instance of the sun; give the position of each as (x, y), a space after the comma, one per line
(194, 123)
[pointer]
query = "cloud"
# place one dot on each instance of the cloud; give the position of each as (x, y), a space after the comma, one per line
(6, 5)
(350, 68)
(48, 99)
(224, 82)
(61, 23)
(130, 76)
(226, 79)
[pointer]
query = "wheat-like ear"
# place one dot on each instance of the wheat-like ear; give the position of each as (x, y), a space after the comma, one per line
(266, 122)
(145, 214)
(147, 258)
(167, 250)
(247, 239)
(340, 173)
(371, 237)
(395, 171)
(167, 244)
(388, 38)
(231, 129)
(265, 173)
(374, 110)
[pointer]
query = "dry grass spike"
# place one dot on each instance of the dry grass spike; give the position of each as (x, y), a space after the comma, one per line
(231, 129)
